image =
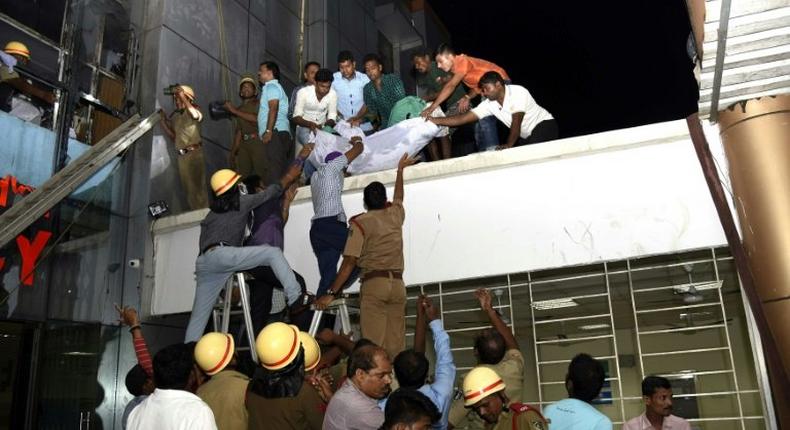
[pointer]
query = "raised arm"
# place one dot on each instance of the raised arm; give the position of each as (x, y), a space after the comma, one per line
(455, 120)
(444, 375)
(444, 94)
(245, 116)
(405, 161)
(356, 149)
(290, 194)
(484, 297)
(420, 325)
(128, 316)
(166, 127)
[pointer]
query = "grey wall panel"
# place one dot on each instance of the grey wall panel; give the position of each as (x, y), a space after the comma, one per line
(352, 24)
(236, 24)
(333, 12)
(196, 21)
(258, 8)
(371, 34)
(294, 6)
(346, 44)
(154, 12)
(316, 11)
(282, 34)
(315, 44)
(257, 44)
(332, 46)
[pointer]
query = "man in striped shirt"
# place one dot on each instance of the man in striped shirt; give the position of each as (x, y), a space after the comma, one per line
(139, 380)
(328, 231)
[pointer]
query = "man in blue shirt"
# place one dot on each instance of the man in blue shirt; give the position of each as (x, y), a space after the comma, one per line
(584, 382)
(411, 366)
(273, 123)
(348, 84)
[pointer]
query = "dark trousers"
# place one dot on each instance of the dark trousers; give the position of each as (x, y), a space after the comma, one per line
(279, 154)
(261, 290)
(328, 238)
(543, 132)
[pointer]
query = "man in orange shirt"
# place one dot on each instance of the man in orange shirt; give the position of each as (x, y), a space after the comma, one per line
(468, 70)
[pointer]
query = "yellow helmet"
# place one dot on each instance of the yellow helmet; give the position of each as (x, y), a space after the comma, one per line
(312, 352)
(17, 48)
(214, 351)
(188, 91)
(222, 180)
(480, 383)
(277, 345)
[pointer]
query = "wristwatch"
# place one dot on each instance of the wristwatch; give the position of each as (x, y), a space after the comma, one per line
(332, 293)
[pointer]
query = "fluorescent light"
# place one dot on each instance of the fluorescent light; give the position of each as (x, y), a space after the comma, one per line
(80, 353)
(593, 326)
(543, 305)
(699, 286)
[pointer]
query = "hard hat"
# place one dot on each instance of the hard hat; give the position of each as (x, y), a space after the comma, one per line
(222, 180)
(277, 345)
(188, 91)
(250, 79)
(214, 351)
(480, 383)
(312, 352)
(17, 48)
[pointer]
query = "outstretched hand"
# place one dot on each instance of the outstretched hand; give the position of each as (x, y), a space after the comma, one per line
(406, 161)
(484, 297)
(323, 302)
(127, 315)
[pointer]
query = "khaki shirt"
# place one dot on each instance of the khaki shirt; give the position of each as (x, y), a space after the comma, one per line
(376, 238)
(511, 370)
(186, 128)
(6, 75)
(529, 420)
(246, 127)
(224, 393)
(303, 412)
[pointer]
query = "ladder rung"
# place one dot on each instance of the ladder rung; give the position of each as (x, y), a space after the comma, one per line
(572, 319)
(686, 351)
(563, 382)
(677, 308)
(574, 339)
(603, 357)
(675, 330)
(700, 373)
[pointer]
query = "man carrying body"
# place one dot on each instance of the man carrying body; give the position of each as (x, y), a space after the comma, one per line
(246, 154)
(514, 106)
(273, 124)
(355, 404)
(316, 106)
(468, 70)
(328, 229)
(183, 128)
(382, 92)
(497, 349)
(10, 81)
(583, 382)
(657, 395)
(375, 244)
(411, 366)
(348, 84)
(308, 79)
(430, 81)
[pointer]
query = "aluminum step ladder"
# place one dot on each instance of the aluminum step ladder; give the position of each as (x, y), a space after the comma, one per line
(223, 312)
(337, 307)
(20, 216)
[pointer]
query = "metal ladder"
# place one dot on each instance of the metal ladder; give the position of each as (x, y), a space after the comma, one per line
(337, 307)
(17, 218)
(223, 312)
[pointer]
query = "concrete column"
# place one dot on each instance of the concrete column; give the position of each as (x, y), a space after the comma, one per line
(756, 138)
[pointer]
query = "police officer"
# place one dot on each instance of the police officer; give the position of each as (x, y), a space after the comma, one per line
(247, 154)
(183, 128)
(224, 393)
(11, 82)
(375, 244)
(484, 392)
(278, 395)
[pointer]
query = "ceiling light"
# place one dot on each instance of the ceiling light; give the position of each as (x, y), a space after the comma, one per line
(543, 305)
(593, 326)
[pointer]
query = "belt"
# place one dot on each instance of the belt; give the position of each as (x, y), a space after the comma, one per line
(187, 149)
(396, 274)
(249, 136)
(213, 246)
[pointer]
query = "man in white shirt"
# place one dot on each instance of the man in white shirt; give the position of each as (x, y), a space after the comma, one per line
(657, 395)
(172, 405)
(514, 106)
(316, 106)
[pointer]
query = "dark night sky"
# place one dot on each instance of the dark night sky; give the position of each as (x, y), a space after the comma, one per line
(595, 65)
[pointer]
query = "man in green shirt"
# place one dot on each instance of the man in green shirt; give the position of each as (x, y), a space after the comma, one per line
(430, 80)
(382, 92)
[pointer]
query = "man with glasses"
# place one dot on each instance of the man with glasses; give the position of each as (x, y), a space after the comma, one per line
(355, 405)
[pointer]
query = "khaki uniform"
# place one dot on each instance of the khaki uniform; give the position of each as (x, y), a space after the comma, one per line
(6, 90)
(251, 158)
(191, 166)
(303, 412)
(376, 239)
(225, 394)
(527, 420)
(511, 370)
